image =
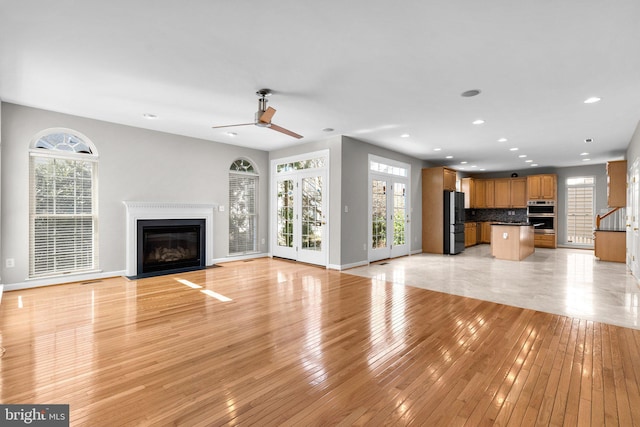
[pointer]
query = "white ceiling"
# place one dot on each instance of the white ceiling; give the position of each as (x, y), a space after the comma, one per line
(369, 69)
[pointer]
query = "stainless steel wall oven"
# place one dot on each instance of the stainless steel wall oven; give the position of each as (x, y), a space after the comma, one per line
(542, 214)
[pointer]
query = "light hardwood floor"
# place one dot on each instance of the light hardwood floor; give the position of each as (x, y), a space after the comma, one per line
(300, 345)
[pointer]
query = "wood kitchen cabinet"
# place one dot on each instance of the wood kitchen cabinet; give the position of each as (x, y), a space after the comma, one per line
(434, 182)
(518, 192)
(470, 234)
(468, 187)
(542, 187)
(502, 191)
(485, 231)
(610, 246)
(480, 201)
(490, 193)
(617, 184)
(449, 176)
(545, 241)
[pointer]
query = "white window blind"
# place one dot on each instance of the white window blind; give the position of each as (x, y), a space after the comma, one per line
(63, 221)
(580, 210)
(243, 218)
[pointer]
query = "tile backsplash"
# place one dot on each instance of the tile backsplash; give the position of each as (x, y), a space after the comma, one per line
(502, 215)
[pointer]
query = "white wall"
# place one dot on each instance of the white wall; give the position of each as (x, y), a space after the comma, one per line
(633, 151)
(135, 164)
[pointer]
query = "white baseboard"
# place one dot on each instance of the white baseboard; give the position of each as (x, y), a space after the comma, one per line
(415, 252)
(240, 257)
(59, 280)
(341, 267)
(1, 289)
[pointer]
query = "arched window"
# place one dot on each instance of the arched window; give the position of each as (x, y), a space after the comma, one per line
(62, 212)
(243, 208)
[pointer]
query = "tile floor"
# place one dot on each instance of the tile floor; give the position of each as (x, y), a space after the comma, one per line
(569, 282)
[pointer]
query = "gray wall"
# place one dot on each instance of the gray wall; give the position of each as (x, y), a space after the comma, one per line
(355, 194)
(134, 164)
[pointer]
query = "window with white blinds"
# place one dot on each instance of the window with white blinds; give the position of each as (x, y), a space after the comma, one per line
(580, 210)
(63, 218)
(243, 208)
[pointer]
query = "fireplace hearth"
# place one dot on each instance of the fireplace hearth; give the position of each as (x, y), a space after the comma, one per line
(168, 246)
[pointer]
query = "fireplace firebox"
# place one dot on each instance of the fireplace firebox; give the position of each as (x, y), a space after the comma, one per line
(168, 246)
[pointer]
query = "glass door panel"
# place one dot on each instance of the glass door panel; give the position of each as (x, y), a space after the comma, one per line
(312, 220)
(379, 214)
(285, 218)
(400, 220)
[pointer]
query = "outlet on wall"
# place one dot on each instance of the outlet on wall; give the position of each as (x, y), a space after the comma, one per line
(10, 263)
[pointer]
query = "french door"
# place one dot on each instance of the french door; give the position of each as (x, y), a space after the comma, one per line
(389, 217)
(300, 217)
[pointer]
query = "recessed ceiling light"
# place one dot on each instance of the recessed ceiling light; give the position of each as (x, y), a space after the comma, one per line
(592, 100)
(585, 160)
(437, 149)
(502, 140)
(528, 161)
(405, 135)
(478, 122)
(474, 166)
(534, 164)
(470, 93)
(584, 154)
(328, 130)
(522, 156)
(231, 133)
(463, 163)
(482, 169)
(513, 149)
(449, 157)
(149, 116)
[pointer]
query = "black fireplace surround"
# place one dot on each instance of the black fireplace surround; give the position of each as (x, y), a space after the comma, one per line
(166, 246)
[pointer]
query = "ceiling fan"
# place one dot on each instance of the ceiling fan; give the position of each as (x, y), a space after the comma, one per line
(264, 115)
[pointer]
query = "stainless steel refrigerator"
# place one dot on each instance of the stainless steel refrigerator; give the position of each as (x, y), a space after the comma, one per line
(453, 222)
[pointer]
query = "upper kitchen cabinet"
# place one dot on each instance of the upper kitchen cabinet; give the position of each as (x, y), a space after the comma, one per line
(449, 179)
(468, 187)
(617, 184)
(518, 192)
(502, 191)
(490, 193)
(542, 187)
(479, 198)
(511, 193)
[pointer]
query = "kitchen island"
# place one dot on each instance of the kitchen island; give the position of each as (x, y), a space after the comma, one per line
(512, 241)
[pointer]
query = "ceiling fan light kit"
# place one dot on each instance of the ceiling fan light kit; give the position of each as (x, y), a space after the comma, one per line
(264, 115)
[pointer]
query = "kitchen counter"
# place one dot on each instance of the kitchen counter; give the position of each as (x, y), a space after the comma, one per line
(512, 240)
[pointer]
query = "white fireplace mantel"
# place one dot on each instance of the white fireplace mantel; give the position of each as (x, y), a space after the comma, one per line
(165, 210)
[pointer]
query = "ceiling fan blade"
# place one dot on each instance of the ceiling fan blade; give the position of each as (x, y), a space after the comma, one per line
(285, 131)
(267, 115)
(230, 126)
